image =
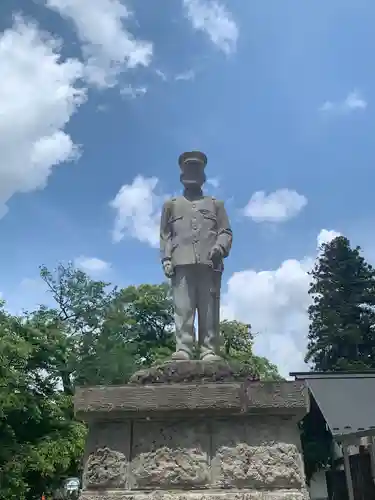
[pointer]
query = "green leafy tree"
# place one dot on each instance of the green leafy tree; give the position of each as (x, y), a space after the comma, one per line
(237, 345)
(342, 315)
(150, 323)
(94, 327)
(40, 442)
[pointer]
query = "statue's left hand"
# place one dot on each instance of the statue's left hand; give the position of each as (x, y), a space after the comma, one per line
(168, 269)
(215, 254)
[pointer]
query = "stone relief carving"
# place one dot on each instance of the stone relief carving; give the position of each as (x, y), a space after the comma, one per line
(105, 468)
(170, 468)
(170, 454)
(269, 467)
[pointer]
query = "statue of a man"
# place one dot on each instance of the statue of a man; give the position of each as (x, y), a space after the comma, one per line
(195, 237)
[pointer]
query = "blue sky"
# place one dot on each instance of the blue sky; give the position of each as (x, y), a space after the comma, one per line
(277, 94)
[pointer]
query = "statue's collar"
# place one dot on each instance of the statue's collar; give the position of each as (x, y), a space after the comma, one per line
(193, 196)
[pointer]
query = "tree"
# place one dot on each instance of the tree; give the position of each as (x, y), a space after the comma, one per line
(237, 345)
(96, 327)
(40, 442)
(150, 323)
(342, 315)
(109, 332)
(93, 325)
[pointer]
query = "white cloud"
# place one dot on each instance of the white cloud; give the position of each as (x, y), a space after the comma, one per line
(107, 46)
(161, 74)
(185, 75)
(133, 92)
(214, 182)
(353, 102)
(102, 108)
(279, 206)
(325, 236)
(92, 265)
(212, 18)
(39, 92)
(275, 303)
(137, 209)
(28, 295)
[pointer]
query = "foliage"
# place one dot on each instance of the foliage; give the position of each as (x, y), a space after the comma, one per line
(342, 316)
(237, 344)
(40, 442)
(109, 332)
(93, 325)
(149, 314)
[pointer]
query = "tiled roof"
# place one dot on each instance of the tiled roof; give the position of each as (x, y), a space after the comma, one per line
(347, 403)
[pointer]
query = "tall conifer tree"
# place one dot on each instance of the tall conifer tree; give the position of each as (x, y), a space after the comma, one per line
(342, 315)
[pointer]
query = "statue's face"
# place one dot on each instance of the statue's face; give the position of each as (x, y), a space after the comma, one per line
(193, 176)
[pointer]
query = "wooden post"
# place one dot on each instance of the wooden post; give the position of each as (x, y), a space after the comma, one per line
(348, 473)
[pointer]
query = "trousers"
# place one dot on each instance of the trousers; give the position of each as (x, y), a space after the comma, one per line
(196, 288)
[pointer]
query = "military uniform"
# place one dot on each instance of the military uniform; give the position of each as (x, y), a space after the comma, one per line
(189, 230)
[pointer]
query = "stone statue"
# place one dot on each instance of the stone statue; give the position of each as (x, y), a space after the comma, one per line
(195, 237)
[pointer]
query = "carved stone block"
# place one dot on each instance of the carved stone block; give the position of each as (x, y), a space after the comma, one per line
(105, 468)
(256, 453)
(170, 454)
(107, 455)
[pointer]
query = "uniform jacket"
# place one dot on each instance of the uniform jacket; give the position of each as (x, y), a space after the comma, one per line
(190, 228)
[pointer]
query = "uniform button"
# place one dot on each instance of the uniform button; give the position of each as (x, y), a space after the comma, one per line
(194, 205)
(194, 219)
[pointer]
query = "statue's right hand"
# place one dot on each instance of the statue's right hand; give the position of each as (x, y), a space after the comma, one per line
(168, 268)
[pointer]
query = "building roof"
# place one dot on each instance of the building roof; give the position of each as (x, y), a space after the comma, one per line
(347, 402)
(312, 374)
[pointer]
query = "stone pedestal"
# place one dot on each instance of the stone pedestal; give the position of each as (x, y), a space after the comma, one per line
(193, 431)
